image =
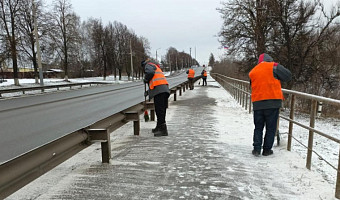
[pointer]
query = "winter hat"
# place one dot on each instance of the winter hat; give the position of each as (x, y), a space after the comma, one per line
(265, 57)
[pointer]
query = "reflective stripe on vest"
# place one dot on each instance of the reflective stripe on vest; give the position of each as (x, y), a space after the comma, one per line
(158, 78)
(191, 73)
(263, 84)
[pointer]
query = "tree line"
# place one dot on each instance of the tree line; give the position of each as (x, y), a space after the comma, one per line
(77, 47)
(301, 35)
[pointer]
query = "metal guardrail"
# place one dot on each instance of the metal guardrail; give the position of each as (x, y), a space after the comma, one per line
(43, 88)
(241, 91)
(20, 171)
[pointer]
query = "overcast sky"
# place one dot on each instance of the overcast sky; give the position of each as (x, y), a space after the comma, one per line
(182, 24)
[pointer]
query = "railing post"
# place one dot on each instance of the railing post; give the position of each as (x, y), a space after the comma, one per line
(250, 103)
(238, 93)
(319, 109)
(337, 186)
(311, 134)
(291, 116)
(277, 133)
(234, 90)
(243, 93)
(246, 94)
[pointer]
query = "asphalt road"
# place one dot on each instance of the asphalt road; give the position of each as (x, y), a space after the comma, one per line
(30, 122)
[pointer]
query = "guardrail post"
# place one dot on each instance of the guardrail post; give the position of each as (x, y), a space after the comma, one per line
(102, 136)
(136, 127)
(311, 134)
(151, 107)
(180, 90)
(291, 116)
(133, 116)
(173, 91)
(106, 149)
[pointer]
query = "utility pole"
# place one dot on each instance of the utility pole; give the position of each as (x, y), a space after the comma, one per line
(131, 61)
(195, 53)
(190, 58)
(37, 43)
(169, 63)
(156, 54)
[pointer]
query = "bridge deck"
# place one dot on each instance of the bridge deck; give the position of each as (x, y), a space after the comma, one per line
(207, 155)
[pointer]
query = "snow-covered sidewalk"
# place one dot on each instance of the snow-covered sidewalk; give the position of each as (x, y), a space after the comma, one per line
(207, 155)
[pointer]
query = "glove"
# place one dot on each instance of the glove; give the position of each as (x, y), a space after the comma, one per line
(146, 93)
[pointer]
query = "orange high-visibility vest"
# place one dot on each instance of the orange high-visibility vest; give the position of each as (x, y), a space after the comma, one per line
(158, 78)
(205, 74)
(191, 73)
(263, 84)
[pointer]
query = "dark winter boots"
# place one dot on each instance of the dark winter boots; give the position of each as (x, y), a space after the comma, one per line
(155, 129)
(267, 152)
(160, 130)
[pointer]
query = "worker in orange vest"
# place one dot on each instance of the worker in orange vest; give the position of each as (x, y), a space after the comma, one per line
(267, 96)
(159, 90)
(191, 76)
(204, 76)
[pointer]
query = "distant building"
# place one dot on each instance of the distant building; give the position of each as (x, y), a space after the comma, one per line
(54, 73)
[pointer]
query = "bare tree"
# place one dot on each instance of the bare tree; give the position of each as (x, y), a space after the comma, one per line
(65, 35)
(27, 42)
(246, 27)
(289, 30)
(9, 17)
(123, 47)
(300, 34)
(99, 37)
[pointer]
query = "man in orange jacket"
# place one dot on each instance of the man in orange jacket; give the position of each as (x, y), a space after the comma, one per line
(159, 90)
(191, 76)
(204, 76)
(267, 96)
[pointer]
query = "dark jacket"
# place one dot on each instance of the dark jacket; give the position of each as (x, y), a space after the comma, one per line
(279, 72)
(149, 72)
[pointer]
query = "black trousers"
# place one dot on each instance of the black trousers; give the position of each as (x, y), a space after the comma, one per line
(268, 118)
(204, 80)
(161, 104)
(191, 83)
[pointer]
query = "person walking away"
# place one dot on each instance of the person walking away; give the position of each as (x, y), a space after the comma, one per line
(266, 96)
(191, 76)
(159, 90)
(204, 76)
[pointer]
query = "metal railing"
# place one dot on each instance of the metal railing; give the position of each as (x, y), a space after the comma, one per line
(46, 87)
(25, 168)
(241, 91)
